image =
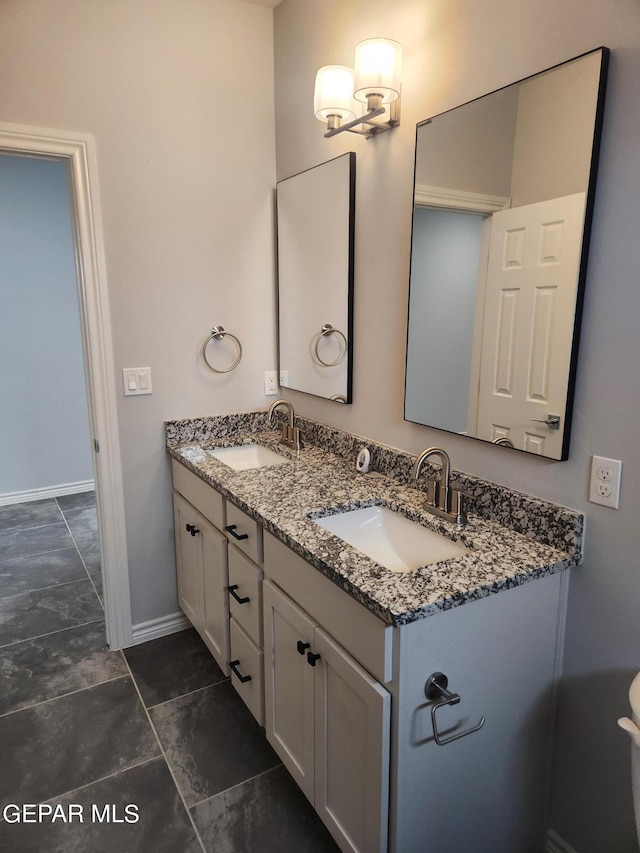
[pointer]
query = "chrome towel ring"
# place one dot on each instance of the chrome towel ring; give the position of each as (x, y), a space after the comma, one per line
(218, 332)
(324, 332)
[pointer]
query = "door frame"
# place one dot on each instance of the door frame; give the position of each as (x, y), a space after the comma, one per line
(78, 151)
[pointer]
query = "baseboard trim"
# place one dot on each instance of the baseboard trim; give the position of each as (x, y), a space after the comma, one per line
(556, 844)
(162, 627)
(47, 492)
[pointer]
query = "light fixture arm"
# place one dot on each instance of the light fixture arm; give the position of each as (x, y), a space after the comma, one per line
(375, 127)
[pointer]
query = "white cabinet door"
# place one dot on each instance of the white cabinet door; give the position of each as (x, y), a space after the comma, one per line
(189, 561)
(329, 721)
(215, 631)
(289, 685)
(352, 724)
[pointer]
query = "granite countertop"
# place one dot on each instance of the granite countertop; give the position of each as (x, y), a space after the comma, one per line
(315, 482)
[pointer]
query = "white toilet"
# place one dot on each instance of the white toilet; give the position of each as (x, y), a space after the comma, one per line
(633, 727)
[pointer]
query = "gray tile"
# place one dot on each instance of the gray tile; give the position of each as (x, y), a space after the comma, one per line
(83, 522)
(57, 746)
(22, 542)
(163, 825)
(56, 664)
(30, 514)
(94, 567)
(77, 501)
(267, 814)
(33, 614)
(26, 574)
(211, 741)
(172, 666)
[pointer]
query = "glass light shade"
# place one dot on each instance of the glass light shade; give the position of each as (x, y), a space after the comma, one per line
(378, 69)
(333, 95)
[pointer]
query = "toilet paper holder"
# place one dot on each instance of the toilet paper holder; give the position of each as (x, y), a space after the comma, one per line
(436, 689)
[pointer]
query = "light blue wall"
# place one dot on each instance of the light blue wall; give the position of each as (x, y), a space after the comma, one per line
(444, 280)
(44, 430)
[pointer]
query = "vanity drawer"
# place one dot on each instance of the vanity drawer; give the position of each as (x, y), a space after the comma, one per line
(201, 495)
(366, 637)
(247, 580)
(244, 532)
(246, 658)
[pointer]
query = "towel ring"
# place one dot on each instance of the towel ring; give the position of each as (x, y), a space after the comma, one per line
(324, 332)
(218, 332)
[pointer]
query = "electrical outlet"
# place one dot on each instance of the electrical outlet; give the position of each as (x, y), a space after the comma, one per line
(604, 486)
(270, 383)
(284, 378)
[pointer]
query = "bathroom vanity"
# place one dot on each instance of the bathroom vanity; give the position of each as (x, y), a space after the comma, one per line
(332, 652)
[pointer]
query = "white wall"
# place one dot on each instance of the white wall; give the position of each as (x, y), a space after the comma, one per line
(179, 97)
(471, 149)
(554, 132)
(44, 431)
(455, 50)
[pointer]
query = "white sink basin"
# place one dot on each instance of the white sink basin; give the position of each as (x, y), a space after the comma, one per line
(390, 539)
(246, 456)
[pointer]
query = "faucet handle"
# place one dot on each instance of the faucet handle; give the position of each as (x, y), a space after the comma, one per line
(433, 492)
(459, 505)
(295, 436)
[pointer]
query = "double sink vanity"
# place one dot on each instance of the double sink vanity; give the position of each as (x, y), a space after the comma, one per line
(335, 600)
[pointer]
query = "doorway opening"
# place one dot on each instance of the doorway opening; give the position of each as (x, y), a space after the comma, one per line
(77, 153)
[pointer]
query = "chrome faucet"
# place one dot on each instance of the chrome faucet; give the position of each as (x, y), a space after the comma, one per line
(503, 441)
(290, 434)
(442, 500)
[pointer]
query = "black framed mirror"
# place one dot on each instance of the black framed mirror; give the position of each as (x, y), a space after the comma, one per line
(503, 201)
(316, 221)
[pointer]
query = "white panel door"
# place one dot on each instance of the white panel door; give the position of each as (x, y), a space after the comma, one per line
(289, 685)
(188, 561)
(527, 335)
(352, 716)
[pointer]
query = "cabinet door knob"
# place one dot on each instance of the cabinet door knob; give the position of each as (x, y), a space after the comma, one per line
(302, 646)
(312, 658)
(192, 529)
(234, 666)
(231, 528)
(241, 599)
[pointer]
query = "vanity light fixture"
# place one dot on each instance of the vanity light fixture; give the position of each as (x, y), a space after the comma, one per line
(340, 91)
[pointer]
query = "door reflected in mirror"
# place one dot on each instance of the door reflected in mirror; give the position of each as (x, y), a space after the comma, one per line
(503, 198)
(316, 214)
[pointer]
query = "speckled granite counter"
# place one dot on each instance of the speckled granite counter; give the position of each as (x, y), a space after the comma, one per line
(513, 538)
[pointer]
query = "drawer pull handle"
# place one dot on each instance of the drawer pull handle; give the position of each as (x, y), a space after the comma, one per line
(231, 528)
(234, 666)
(302, 646)
(312, 658)
(239, 598)
(192, 529)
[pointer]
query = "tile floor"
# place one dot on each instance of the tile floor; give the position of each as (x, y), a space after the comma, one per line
(157, 727)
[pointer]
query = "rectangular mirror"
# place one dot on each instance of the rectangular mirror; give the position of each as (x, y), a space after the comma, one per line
(503, 200)
(316, 218)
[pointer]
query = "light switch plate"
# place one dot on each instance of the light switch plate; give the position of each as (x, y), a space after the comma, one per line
(136, 381)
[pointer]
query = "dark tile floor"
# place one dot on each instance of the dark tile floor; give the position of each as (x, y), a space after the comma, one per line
(152, 747)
